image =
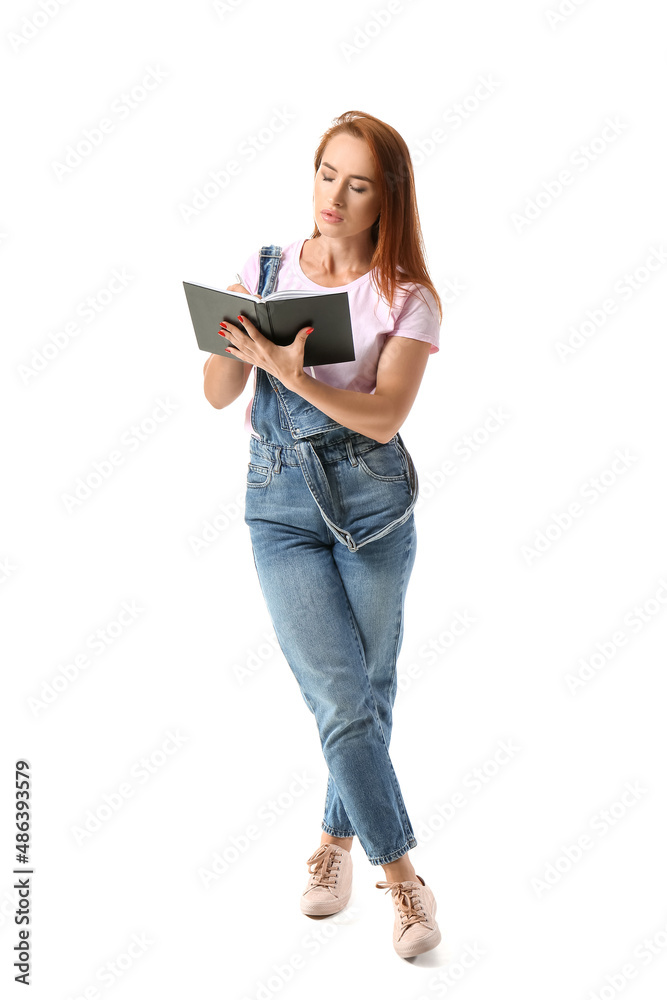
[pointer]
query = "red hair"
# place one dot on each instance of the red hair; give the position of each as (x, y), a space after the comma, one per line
(396, 234)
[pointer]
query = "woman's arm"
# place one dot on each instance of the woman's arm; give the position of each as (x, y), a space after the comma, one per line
(224, 381)
(378, 415)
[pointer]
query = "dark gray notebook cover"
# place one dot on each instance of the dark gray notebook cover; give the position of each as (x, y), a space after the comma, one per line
(279, 320)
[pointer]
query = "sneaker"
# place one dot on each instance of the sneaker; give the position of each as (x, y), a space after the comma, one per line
(415, 929)
(330, 884)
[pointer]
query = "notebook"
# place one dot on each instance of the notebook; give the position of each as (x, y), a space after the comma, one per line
(279, 317)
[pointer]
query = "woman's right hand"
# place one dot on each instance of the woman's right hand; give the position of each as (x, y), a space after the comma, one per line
(234, 288)
(240, 288)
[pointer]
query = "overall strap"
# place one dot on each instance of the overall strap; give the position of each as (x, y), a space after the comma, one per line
(269, 263)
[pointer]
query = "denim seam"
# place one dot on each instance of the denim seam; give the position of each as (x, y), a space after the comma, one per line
(326, 801)
(326, 826)
(338, 833)
(386, 859)
(362, 654)
(402, 608)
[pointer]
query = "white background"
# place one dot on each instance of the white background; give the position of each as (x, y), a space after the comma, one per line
(197, 656)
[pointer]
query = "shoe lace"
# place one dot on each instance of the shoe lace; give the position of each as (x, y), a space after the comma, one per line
(407, 899)
(321, 865)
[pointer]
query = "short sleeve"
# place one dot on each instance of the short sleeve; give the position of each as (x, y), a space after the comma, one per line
(250, 273)
(418, 319)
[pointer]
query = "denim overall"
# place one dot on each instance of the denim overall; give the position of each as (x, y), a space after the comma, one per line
(330, 514)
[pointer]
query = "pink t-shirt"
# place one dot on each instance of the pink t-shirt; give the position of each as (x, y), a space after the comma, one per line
(409, 317)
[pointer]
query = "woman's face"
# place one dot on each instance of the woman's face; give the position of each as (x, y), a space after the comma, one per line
(346, 186)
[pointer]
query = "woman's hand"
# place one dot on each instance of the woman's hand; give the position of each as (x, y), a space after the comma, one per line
(251, 346)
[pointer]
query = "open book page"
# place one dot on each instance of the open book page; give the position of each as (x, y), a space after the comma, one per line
(214, 288)
(289, 294)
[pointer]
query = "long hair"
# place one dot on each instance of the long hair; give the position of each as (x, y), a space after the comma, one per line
(396, 234)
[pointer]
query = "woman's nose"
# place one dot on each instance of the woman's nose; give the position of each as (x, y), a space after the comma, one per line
(336, 192)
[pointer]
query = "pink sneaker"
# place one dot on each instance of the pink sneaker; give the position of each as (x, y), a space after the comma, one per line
(415, 929)
(330, 884)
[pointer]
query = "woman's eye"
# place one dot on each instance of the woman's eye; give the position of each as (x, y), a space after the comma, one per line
(358, 190)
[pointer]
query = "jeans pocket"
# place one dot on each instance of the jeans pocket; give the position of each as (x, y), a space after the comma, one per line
(385, 463)
(258, 475)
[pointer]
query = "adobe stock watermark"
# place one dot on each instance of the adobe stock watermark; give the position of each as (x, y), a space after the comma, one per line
(7, 569)
(247, 152)
(99, 641)
(87, 309)
(140, 774)
(580, 159)
(643, 954)
(282, 973)
(436, 648)
(7, 907)
(464, 449)
(454, 118)
(267, 816)
(94, 136)
(600, 824)
(451, 289)
(222, 7)
(376, 22)
(131, 440)
(591, 491)
(457, 969)
(472, 783)
(635, 620)
(257, 657)
(562, 12)
(596, 317)
(32, 24)
(116, 968)
(212, 528)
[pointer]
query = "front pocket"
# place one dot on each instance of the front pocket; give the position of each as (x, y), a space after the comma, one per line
(384, 463)
(258, 475)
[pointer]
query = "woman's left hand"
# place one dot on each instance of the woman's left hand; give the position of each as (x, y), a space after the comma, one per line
(285, 363)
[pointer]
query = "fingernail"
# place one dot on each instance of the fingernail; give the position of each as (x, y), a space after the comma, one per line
(224, 324)
(240, 318)
(309, 330)
(226, 348)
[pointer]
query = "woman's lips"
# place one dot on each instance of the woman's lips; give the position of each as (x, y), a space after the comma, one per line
(330, 217)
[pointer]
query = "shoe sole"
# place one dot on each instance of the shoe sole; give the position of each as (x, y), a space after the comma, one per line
(323, 907)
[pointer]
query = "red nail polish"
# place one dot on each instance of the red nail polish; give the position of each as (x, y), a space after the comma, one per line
(224, 324)
(309, 330)
(226, 348)
(240, 318)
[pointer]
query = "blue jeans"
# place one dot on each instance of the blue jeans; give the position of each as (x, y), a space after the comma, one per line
(330, 514)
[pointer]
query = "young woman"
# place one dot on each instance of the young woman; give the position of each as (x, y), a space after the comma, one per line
(330, 494)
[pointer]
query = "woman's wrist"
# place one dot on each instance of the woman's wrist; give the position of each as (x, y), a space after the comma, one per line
(295, 379)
